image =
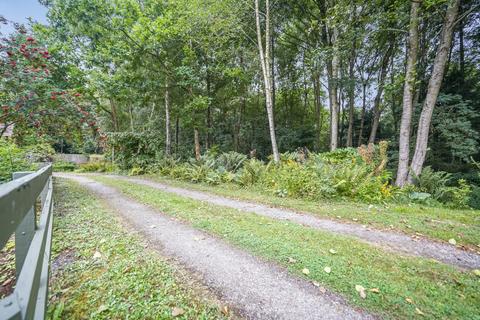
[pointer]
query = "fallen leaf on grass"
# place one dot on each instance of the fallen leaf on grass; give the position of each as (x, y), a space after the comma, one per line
(327, 269)
(291, 260)
(102, 308)
(409, 300)
(305, 271)
(332, 251)
(361, 291)
(419, 311)
(452, 241)
(374, 290)
(476, 272)
(177, 312)
(97, 255)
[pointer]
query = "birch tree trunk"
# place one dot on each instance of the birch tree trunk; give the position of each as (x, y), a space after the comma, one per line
(332, 69)
(168, 137)
(408, 93)
(433, 89)
(267, 73)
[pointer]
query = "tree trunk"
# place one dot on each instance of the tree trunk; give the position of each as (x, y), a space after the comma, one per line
(130, 112)
(461, 47)
(351, 102)
(318, 111)
(267, 73)
(434, 88)
(351, 83)
(377, 109)
(168, 138)
(332, 69)
(408, 96)
(177, 132)
(362, 114)
(197, 144)
(209, 111)
(113, 114)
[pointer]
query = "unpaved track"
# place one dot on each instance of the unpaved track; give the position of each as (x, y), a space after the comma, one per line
(256, 289)
(394, 241)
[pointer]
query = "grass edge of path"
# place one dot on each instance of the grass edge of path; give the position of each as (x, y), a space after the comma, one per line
(413, 220)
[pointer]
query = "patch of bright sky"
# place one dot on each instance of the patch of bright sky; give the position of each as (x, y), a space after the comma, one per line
(19, 11)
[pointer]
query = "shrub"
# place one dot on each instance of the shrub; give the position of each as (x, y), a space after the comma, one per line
(439, 185)
(12, 159)
(135, 171)
(474, 199)
(64, 166)
(41, 152)
(251, 172)
(292, 179)
(433, 182)
(97, 167)
(230, 161)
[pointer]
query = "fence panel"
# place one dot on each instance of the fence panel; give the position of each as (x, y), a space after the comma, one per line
(18, 200)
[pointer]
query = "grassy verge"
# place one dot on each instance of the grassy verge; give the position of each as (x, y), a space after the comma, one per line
(407, 287)
(101, 271)
(433, 222)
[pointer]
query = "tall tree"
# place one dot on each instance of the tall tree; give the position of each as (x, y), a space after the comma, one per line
(433, 88)
(265, 63)
(408, 95)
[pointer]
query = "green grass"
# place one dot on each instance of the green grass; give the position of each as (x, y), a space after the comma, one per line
(437, 290)
(126, 282)
(433, 222)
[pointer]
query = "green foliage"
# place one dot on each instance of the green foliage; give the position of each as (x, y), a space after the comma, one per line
(433, 182)
(438, 184)
(230, 161)
(102, 166)
(474, 200)
(339, 174)
(135, 149)
(14, 158)
(251, 172)
(64, 166)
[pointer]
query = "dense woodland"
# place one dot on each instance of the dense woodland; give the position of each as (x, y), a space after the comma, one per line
(145, 80)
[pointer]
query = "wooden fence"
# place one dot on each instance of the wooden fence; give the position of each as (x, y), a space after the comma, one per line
(20, 200)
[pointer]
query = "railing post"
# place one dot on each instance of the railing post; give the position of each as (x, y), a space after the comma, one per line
(24, 233)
